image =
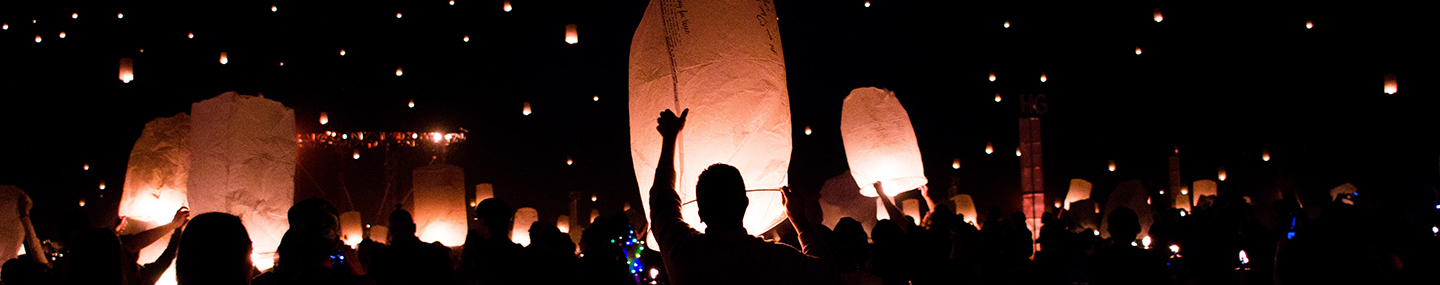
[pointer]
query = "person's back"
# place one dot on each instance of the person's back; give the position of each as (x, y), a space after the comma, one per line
(407, 260)
(215, 250)
(1122, 263)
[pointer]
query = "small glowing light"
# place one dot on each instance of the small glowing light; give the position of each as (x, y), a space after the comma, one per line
(1137, 50)
(867, 4)
(273, 8)
(412, 103)
(1265, 154)
(1112, 165)
(1096, 232)
(120, 15)
(1162, 192)
(654, 273)
(466, 39)
(572, 36)
(1132, 243)
(1437, 206)
(62, 34)
(414, 136)
(525, 110)
(324, 118)
(997, 96)
(191, 35)
(807, 130)
(1097, 210)
(1042, 77)
(1391, 85)
(1174, 248)
(223, 58)
(1309, 24)
(1244, 259)
(399, 71)
(1057, 204)
(1184, 191)
(356, 155)
(6, 26)
(86, 166)
(507, 5)
(1145, 241)
(1435, 230)
(593, 197)
(1158, 17)
(397, 15)
(82, 202)
(102, 185)
(569, 161)
(435, 136)
(127, 70)
(1017, 151)
(1007, 24)
(596, 98)
(989, 148)
(452, 2)
(282, 63)
(956, 165)
(74, 15)
(344, 136)
(1182, 213)
(1222, 174)
(37, 39)
(342, 52)
(1147, 201)
(992, 78)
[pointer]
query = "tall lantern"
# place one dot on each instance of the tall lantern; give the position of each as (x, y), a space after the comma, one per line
(127, 70)
(1112, 165)
(439, 195)
(563, 224)
(525, 110)
(324, 118)
(727, 66)
(351, 231)
(484, 191)
(399, 71)
(571, 36)
(156, 179)
(880, 143)
(1391, 86)
(520, 230)
(955, 164)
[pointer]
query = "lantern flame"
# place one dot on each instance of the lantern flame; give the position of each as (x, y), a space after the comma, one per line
(356, 155)
(1158, 17)
(1145, 241)
(955, 164)
(86, 166)
(6, 26)
(399, 71)
(526, 109)
(74, 15)
(1391, 85)
(397, 15)
(467, 38)
(1007, 24)
(102, 185)
(807, 130)
(82, 202)
(1309, 24)
(867, 4)
(507, 5)
(452, 2)
(596, 98)
(127, 72)
(120, 15)
(571, 35)
(324, 118)
(1222, 174)
(223, 58)
(989, 148)
(1095, 232)
(1017, 151)
(62, 34)
(593, 197)
(569, 161)
(1042, 77)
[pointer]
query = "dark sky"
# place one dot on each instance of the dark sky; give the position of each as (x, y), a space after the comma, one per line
(1219, 80)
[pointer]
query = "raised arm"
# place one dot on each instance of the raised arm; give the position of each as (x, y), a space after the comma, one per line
(664, 202)
(819, 264)
(895, 213)
(136, 242)
(31, 242)
(150, 273)
(929, 205)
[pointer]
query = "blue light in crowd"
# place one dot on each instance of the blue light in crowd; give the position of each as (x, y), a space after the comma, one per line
(1290, 235)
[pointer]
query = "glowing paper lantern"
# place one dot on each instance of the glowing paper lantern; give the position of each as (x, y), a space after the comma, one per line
(569, 161)
(1158, 17)
(1343, 189)
(37, 39)
(223, 58)
(1079, 190)
(1137, 50)
(992, 79)
(467, 38)
(62, 34)
(571, 36)
(191, 35)
(807, 130)
(399, 71)
(1174, 249)
(412, 103)
(1017, 151)
(243, 163)
(397, 15)
(439, 193)
(997, 97)
(1265, 154)
(594, 213)
(82, 202)
(1244, 259)
(1182, 201)
(880, 142)
(526, 109)
(989, 148)
(102, 184)
(120, 15)
(1222, 175)
(507, 6)
(563, 223)
(955, 164)
(342, 52)
(1145, 241)
(452, 2)
(727, 66)
(867, 4)
(1203, 188)
(964, 205)
(350, 230)
(596, 98)
(1007, 24)
(911, 208)
(593, 197)
(127, 70)
(74, 15)
(273, 8)
(5, 26)
(86, 166)
(520, 231)
(1130, 194)
(484, 191)
(1309, 24)
(1390, 83)
(1042, 77)
(324, 118)
(379, 234)
(1112, 165)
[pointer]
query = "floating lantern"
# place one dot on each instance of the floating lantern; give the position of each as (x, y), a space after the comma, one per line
(191, 35)
(397, 15)
(1057, 204)
(955, 164)
(342, 52)
(412, 103)
(62, 34)
(82, 202)
(1390, 83)
(324, 118)
(1162, 192)
(1017, 151)
(282, 63)
(86, 166)
(1222, 174)
(37, 39)
(74, 15)
(1095, 232)
(399, 71)
(594, 214)
(452, 2)
(466, 39)
(1184, 191)
(1137, 50)
(223, 58)
(127, 72)
(6, 26)
(1309, 24)
(1146, 242)
(120, 15)
(256, 182)
(880, 142)
(992, 79)
(1182, 212)
(626, 206)
(436, 137)
(807, 130)
(596, 98)
(1042, 77)
(439, 195)
(593, 197)
(102, 184)
(1244, 259)
(273, 8)
(484, 191)
(1265, 154)
(1174, 249)
(563, 222)
(1112, 165)
(1079, 190)
(1435, 230)
(1007, 24)
(989, 148)
(525, 110)
(1147, 201)
(571, 35)
(569, 161)
(964, 205)
(350, 231)
(507, 5)
(356, 155)
(997, 97)
(1204, 187)
(1158, 17)
(911, 208)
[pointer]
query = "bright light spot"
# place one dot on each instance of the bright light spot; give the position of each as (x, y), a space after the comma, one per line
(1184, 191)
(414, 136)
(955, 164)
(1158, 17)
(1007, 24)
(62, 34)
(223, 58)
(1174, 248)
(399, 71)
(1112, 165)
(1182, 213)
(526, 109)
(452, 2)
(571, 35)
(1391, 85)
(435, 136)
(397, 15)
(120, 15)
(1309, 24)
(569, 161)
(86, 166)
(1042, 77)
(1222, 174)
(1145, 241)
(807, 130)
(989, 148)
(1096, 232)
(507, 5)
(992, 78)
(324, 118)
(345, 136)
(997, 95)
(82, 202)
(1132, 243)
(191, 35)
(1437, 206)
(1244, 259)
(1137, 50)
(342, 52)
(1017, 151)
(7, 25)
(412, 103)
(1057, 204)
(262, 261)
(102, 185)
(593, 197)
(596, 98)
(654, 273)
(1435, 230)
(74, 15)
(867, 4)
(356, 155)
(282, 63)
(1265, 155)
(37, 39)
(273, 8)
(467, 38)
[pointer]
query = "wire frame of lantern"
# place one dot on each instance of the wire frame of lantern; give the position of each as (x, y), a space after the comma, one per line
(1391, 84)
(571, 35)
(127, 72)
(1158, 16)
(224, 58)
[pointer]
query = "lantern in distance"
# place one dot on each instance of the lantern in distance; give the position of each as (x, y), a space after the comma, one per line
(399, 71)
(594, 213)
(412, 103)
(1007, 24)
(1017, 151)
(880, 142)
(997, 97)
(356, 155)
(807, 130)
(1265, 154)
(224, 58)
(507, 5)
(82, 202)
(1112, 165)
(571, 35)
(1391, 86)
(989, 148)
(867, 4)
(191, 35)
(1309, 24)
(452, 2)
(596, 98)
(397, 15)
(526, 109)
(324, 118)
(102, 184)
(62, 34)
(86, 166)
(1042, 77)
(439, 200)
(569, 161)
(1222, 174)
(1137, 50)
(955, 164)
(74, 15)
(6, 26)
(1158, 17)
(37, 39)
(467, 38)
(563, 224)
(127, 73)
(120, 15)
(342, 52)
(351, 232)
(593, 197)
(992, 76)
(274, 9)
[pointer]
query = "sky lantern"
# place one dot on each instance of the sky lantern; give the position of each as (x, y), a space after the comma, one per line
(342, 52)
(6, 26)
(74, 15)
(507, 6)
(86, 166)
(965, 205)
(1204, 187)
(997, 97)
(867, 4)
(569, 161)
(397, 15)
(594, 214)
(526, 109)
(1112, 165)
(1309, 24)
(563, 224)
(1244, 259)
(1391, 86)
(571, 35)
(807, 130)
(1137, 50)
(989, 148)
(324, 118)
(1222, 174)
(82, 202)
(484, 191)
(1079, 190)
(596, 98)
(880, 142)
(351, 232)
(439, 195)
(728, 69)
(102, 184)
(282, 63)
(955, 164)
(1145, 241)
(223, 58)
(594, 197)
(911, 208)
(1265, 154)
(466, 39)
(62, 34)
(399, 71)
(1017, 151)
(356, 155)
(1042, 77)
(127, 72)
(412, 103)
(37, 40)
(274, 9)
(191, 35)
(992, 79)
(156, 179)
(520, 230)
(452, 2)
(1007, 24)
(1158, 17)
(120, 15)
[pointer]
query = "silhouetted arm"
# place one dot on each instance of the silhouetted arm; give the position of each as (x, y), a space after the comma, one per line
(895, 214)
(664, 202)
(929, 205)
(31, 242)
(134, 243)
(151, 273)
(819, 265)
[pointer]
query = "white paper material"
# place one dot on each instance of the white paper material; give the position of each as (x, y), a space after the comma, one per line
(1204, 188)
(520, 230)
(723, 61)
(12, 233)
(439, 192)
(964, 205)
(352, 232)
(880, 143)
(1182, 201)
(242, 162)
(840, 198)
(484, 191)
(1079, 190)
(155, 179)
(1130, 194)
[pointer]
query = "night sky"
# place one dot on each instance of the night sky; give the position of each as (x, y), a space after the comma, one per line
(1218, 80)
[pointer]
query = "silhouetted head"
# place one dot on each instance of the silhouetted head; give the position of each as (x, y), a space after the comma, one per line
(1123, 224)
(886, 232)
(215, 250)
(402, 225)
(315, 217)
(496, 215)
(720, 193)
(95, 258)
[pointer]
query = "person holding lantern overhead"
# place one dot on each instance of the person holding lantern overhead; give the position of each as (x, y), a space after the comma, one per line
(726, 254)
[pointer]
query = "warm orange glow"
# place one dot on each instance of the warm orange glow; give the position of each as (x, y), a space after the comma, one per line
(807, 130)
(1391, 85)
(507, 5)
(127, 70)
(399, 71)
(397, 15)
(1112, 165)
(436, 137)
(74, 15)
(593, 197)
(6, 26)
(273, 8)
(37, 39)
(989, 148)
(1007, 24)
(224, 58)
(1265, 155)
(594, 213)
(324, 118)
(1137, 50)
(571, 35)
(1162, 192)
(867, 4)
(86, 167)
(62, 34)
(1158, 17)
(563, 223)
(1184, 191)
(1309, 24)
(997, 97)
(120, 15)
(191, 35)
(1042, 77)
(412, 103)
(1017, 151)
(1145, 241)
(467, 38)
(1222, 174)
(992, 79)
(82, 202)
(342, 52)
(526, 109)
(356, 155)
(282, 63)
(351, 232)
(955, 164)
(102, 185)
(596, 98)
(1057, 204)
(569, 161)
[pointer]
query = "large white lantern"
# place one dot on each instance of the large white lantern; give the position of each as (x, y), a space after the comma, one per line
(520, 230)
(484, 191)
(156, 179)
(563, 224)
(726, 65)
(242, 162)
(351, 230)
(880, 143)
(440, 215)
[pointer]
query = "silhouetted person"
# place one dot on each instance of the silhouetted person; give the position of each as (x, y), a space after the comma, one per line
(407, 260)
(214, 250)
(95, 258)
(726, 254)
(550, 249)
(891, 259)
(310, 252)
(1122, 263)
(602, 260)
(490, 257)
